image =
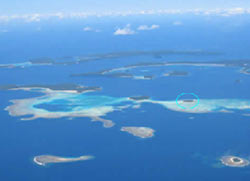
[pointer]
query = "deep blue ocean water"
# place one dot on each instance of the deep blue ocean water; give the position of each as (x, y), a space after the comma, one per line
(182, 148)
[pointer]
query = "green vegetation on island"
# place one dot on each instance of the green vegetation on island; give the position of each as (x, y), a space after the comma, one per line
(234, 161)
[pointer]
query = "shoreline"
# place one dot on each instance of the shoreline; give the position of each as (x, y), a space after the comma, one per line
(43, 160)
(37, 162)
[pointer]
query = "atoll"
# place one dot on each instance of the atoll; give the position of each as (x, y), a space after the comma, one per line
(234, 161)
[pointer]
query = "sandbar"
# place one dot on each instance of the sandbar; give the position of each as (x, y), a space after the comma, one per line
(43, 160)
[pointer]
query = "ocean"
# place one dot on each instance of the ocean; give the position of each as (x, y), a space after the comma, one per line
(186, 146)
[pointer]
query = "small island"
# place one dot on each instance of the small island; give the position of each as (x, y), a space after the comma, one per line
(43, 160)
(234, 161)
(42, 61)
(176, 73)
(142, 132)
(139, 98)
(58, 87)
(245, 70)
(143, 77)
(188, 100)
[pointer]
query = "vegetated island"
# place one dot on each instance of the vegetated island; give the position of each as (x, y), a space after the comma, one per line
(42, 61)
(176, 73)
(100, 74)
(70, 60)
(43, 160)
(143, 77)
(188, 103)
(243, 64)
(142, 132)
(189, 100)
(139, 98)
(57, 87)
(234, 161)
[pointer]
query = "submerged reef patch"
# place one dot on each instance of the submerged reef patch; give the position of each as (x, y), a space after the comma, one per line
(79, 103)
(208, 105)
(72, 104)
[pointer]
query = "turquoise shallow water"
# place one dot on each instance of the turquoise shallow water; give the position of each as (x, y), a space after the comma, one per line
(79, 102)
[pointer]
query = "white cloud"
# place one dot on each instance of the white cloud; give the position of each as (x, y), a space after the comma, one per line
(124, 31)
(36, 17)
(145, 27)
(87, 28)
(227, 12)
(33, 18)
(4, 18)
(235, 11)
(177, 23)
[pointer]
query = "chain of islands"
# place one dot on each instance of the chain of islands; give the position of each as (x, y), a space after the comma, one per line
(73, 100)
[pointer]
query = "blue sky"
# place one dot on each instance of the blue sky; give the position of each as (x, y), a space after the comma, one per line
(37, 10)
(50, 6)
